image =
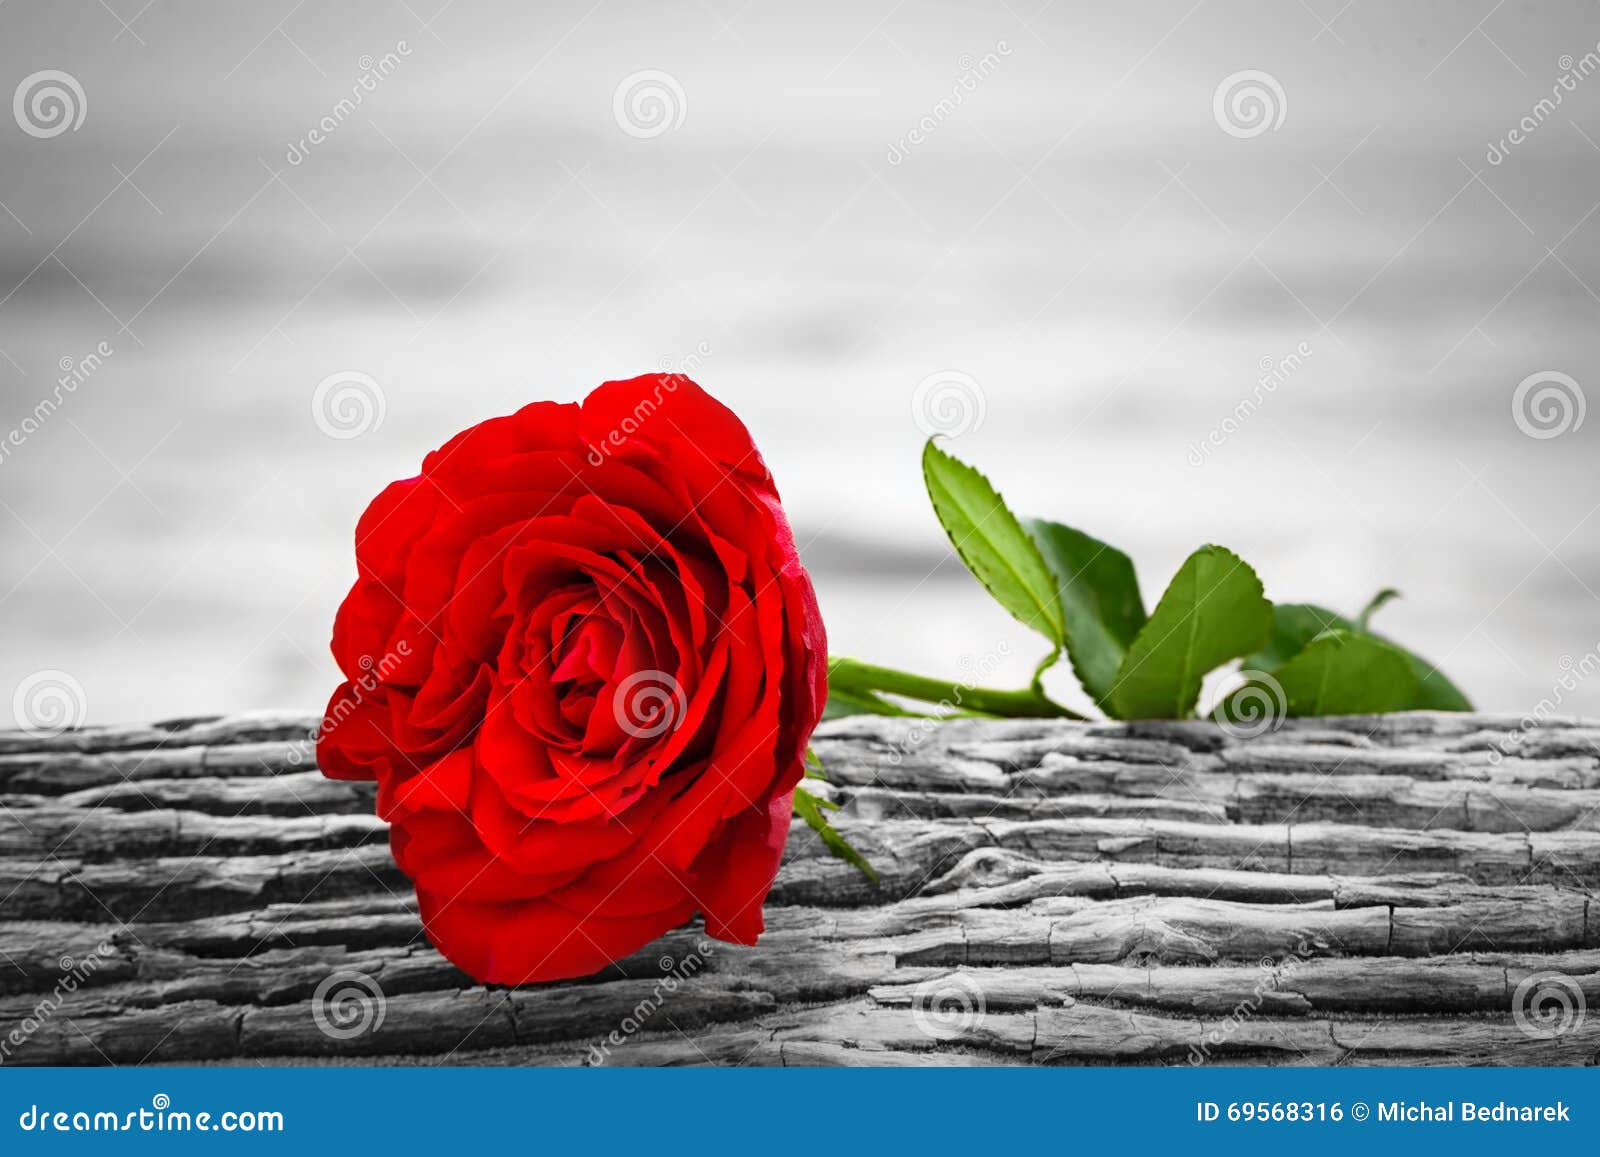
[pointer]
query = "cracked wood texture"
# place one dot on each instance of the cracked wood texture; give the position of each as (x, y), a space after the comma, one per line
(1405, 889)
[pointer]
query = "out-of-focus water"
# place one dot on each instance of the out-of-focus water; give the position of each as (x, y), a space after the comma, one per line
(1077, 234)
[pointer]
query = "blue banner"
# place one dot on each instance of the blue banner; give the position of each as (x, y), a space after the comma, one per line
(794, 1111)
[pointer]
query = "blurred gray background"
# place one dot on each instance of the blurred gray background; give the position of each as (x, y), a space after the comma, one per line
(1085, 262)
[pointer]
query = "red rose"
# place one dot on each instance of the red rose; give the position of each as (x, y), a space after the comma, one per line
(583, 663)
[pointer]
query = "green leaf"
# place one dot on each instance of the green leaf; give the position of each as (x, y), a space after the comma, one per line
(992, 542)
(813, 765)
(1101, 609)
(1339, 673)
(1435, 692)
(1294, 625)
(1212, 611)
(809, 808)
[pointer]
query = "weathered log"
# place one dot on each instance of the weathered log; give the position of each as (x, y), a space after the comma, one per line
(1408, 889)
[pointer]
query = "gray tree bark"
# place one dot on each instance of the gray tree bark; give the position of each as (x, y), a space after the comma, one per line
(1410, 889)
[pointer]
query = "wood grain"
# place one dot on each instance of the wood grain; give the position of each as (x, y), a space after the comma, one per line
(1415, 889)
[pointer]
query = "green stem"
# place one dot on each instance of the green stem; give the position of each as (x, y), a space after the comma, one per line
(1031, 703)
(1045, 664)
